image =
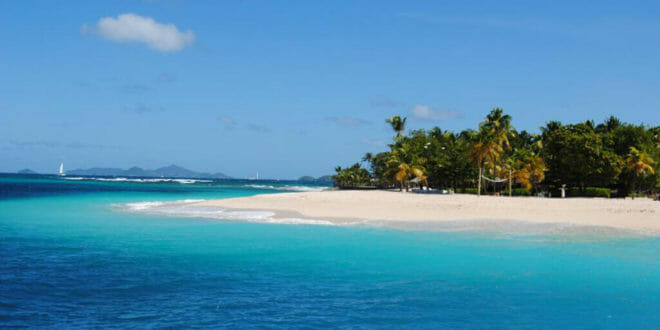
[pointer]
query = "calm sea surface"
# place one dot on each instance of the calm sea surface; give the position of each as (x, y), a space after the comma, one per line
(71, 255)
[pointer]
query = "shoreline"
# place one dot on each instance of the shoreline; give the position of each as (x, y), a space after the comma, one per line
(395, 209)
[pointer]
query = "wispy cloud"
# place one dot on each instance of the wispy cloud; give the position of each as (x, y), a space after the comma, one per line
(132, 28)
(348, 121)
(566, 28)
(166, 77)
(52, 144)
(385, 103)
(424, 112)
(134, 88)
(257, 128)
(141, 108)
(374, 142)
(80, 145)
(33, 144)
(227, 122)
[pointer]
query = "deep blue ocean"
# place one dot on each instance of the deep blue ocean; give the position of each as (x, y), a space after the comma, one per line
(71, 256)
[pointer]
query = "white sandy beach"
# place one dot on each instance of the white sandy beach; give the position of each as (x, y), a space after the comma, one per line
(343, 206)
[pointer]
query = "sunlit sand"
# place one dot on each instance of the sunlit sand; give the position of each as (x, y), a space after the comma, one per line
(344, 205)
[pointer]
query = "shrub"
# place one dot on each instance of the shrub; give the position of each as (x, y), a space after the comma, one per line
(470, 191)
(588, 192)
(351, 177)
(517, 192)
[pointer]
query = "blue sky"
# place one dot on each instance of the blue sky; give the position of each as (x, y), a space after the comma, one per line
(295, 88)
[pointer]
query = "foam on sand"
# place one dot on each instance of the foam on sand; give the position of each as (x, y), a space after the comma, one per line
(191, 208)
(287, 187)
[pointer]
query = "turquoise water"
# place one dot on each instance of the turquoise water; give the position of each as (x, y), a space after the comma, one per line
(70, 257)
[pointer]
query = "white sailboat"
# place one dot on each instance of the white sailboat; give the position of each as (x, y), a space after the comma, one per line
(61, 173)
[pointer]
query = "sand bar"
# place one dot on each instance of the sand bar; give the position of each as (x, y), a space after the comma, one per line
(347, 205)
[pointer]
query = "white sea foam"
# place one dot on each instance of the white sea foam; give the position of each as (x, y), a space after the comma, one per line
(300, 221)
(287, 187)
(188, 208)
(146, 206)
(139, 180)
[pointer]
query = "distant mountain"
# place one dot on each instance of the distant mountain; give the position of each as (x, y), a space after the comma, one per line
(311, 179)
(325, 178)
(171, 171)
(27, 171)
(100, 171)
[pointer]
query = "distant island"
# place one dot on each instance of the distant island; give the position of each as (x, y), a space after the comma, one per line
(171, 171)
(311, 179)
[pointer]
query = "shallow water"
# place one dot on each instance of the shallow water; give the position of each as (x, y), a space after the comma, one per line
(71, 258)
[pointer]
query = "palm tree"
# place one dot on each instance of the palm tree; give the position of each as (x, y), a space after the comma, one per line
(479, 150)
(398, 125)
(498, 128)
(401, 170)
(406, 171)
(640, 163)
(510, 166)
(609, 125)
(368, 157)
(490, 142)
(402, 175)
(531, 171)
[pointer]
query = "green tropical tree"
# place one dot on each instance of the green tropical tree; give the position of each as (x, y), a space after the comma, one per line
(640, 164)
(498, 129)
(351, 177)
(530, 171)
(490, 142)
(398, 125)
(368, 157)
(498, 126)
(581, 155)
(401, 169)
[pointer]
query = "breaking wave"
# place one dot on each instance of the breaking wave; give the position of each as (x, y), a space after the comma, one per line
(287, 188)
(150, 180)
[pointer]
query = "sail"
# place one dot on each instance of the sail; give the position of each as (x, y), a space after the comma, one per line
(61, 168)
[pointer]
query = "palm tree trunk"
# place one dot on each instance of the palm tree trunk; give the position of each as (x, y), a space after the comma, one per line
(633, 190)
(510, 183)
(479, 181)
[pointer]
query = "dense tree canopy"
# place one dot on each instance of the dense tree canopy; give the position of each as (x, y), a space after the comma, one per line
(495, 158)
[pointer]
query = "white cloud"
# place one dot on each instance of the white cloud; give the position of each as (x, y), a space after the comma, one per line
(425, 112)
(135, 28)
